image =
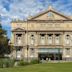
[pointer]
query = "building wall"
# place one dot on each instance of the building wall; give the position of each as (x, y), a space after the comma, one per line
(41, 25)
(26, 40)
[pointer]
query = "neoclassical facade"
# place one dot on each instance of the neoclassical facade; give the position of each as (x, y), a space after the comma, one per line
(45, 35)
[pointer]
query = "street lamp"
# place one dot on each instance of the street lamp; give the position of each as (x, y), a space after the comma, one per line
(16, 52)
(27, 41)
(59, 53)
(27, 52)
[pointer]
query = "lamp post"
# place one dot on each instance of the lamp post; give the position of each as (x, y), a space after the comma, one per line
(16, 53)
(27, 52)
(27, 42)
(59, 53)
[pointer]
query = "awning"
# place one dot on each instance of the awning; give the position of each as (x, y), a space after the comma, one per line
(50, 50)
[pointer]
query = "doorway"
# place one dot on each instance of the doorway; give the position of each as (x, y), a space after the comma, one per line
(51, 56)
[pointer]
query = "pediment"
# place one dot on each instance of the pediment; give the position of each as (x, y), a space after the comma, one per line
(18, 29)
(50, 14)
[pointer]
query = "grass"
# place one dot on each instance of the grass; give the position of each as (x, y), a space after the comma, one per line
(48, 67)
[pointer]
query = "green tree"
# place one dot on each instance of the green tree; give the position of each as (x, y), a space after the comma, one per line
(4, 47)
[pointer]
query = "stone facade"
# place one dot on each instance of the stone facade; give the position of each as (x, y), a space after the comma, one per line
(46, 35)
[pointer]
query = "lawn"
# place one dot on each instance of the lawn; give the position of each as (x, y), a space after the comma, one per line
(48, 67)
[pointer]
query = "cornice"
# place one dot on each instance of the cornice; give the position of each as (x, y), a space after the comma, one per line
(18, 21)
(43, 21)
(43, 31)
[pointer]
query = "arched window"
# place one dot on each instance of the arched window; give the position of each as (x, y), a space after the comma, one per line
(18, 53)
(42, 39)
(32, 52)
(57, 39)
(50, 15)
(49, 38)
(67, 52)
(32, 39)
(67, 39)
(18, 39)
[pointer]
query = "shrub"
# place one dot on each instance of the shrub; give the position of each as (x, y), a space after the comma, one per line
(22, 63)
(35, 61)
(6, 63)
(9, 63)
(1, 63)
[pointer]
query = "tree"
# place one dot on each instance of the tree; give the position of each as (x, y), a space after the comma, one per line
(4, 47)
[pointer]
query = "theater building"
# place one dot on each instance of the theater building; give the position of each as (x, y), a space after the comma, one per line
(45, 35)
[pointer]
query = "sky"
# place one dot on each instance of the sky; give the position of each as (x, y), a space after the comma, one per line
(22, 9)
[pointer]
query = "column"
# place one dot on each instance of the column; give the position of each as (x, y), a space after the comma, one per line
(61, 39)
(23, 39)
(46, 39)
(39, 39)
(53, 39)
(15, 39)
(37, 43)
(62, 44)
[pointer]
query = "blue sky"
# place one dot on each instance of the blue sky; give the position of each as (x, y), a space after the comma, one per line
(21, 9)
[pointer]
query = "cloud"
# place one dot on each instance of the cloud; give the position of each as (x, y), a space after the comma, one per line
(22, 9)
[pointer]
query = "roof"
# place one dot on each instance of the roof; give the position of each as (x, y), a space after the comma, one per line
(50, 9)
(18, 30)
